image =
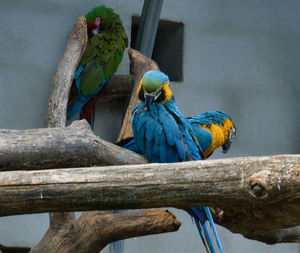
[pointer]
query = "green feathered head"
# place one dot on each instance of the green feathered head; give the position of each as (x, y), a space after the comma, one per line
(107, 15)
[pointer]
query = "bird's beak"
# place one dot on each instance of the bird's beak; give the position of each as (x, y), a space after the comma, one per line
(226, 145)
(149, 98)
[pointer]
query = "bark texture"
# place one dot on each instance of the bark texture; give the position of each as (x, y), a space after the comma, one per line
(117, 86)
(63, 78)
(140, 65)
(60, 89)
(60, 147)
(257, 194)
(94, 230)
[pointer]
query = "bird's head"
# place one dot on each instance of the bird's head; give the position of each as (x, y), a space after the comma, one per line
(94, 27)
(102, 15)
(154, 88)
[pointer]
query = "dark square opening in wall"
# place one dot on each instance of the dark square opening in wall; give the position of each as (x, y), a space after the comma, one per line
(168, 47)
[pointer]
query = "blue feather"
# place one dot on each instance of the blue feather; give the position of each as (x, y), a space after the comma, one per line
(199, 214)
(212, 225)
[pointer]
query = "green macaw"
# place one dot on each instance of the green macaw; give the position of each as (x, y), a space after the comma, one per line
(107, 41)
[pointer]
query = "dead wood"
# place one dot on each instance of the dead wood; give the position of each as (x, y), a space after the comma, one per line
(257, 194)
(140, 65)
(94, 230)
(60, 147)
(118, 86)
(63, 78)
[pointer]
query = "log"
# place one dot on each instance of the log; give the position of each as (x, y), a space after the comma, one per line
(260, 194)
(278, 236)
(60, 89)
(140, 65)
(94, 230)
(63, 78)
(117, 86)
(61, 147)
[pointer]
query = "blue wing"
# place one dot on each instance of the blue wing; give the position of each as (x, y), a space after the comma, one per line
(210, 117)
(80, 100)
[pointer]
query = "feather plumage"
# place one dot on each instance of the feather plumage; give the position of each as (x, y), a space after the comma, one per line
(213, 129)
(101, 59)
(163, 134)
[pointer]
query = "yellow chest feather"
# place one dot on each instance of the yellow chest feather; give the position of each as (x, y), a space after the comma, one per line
(219, 134)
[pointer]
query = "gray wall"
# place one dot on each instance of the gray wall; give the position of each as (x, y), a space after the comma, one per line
(241, 57)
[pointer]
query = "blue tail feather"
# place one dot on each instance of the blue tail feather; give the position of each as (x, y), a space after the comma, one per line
(198, 212)
(212, 225)
(74, 109)
(196, 219)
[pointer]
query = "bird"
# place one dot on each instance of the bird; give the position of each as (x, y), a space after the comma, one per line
(106, 43)
(164, 135)
(220, 131)
(212, 129)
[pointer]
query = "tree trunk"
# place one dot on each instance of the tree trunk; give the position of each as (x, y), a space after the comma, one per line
(61, 147)
(60, 89)
(63, 78)
(257, 194)
(140, 65)
(94, 230)
(117, 86)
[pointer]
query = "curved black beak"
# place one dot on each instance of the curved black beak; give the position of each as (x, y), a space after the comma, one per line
(226, 145)
(149, 98)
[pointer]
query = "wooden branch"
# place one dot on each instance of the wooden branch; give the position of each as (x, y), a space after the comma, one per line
(278, 236)
(140, 65)
(264, 191)
(82, 237)
(73, 146)
(117, 87)
(60, 89)
(62, 81)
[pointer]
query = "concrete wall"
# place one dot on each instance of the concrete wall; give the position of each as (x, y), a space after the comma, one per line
(241, 57)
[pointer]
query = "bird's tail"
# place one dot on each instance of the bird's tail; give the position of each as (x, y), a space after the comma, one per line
(201, 215)
(74, 108)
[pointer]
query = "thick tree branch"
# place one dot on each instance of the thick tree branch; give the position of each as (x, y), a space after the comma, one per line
(94, 230)
(60, 88)
(117, 86)
(278, 236)
(140, 65)
(62, 81)
(73, 146)
(264, 191)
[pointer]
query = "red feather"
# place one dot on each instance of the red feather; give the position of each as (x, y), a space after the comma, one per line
(88, 112)
(92, 26)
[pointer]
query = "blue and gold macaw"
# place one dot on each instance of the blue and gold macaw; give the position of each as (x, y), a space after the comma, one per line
(212, 129)
(163, 134)
(107, 41)
(220, 131)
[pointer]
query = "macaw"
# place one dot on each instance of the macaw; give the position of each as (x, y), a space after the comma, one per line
(163, 134)
(220, 131)
(107, 41)
(212, 130)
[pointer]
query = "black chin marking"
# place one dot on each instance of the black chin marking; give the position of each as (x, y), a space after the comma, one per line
(141, 95)
(159, 99)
